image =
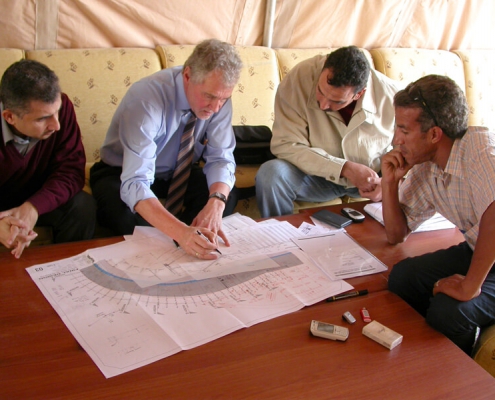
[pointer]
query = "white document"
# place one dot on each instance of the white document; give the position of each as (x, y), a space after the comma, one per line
(138, 301)
(149, 257)
(339, 256)
(311, 230)
(437, 222)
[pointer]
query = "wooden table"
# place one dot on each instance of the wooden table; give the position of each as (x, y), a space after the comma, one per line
(39, 358)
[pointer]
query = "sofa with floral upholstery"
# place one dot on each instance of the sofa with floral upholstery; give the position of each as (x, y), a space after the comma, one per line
(97, 79)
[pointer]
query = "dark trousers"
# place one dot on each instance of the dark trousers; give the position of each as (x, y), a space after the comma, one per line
(115, 215)
(72, 221)
(413, 280)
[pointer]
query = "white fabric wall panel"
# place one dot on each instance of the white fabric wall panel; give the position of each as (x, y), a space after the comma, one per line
(429, 24)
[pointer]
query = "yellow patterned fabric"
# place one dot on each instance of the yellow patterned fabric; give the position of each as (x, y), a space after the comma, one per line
(479, 70)
(174, 54)
(96, 80)
(245, 174)
(302, 205)
(408, 65)
(288, 58)
(248, 207)
(484, 352)
(8, 57)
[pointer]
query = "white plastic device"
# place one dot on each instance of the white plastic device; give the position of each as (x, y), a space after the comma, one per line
(329, 331)
(383, 335)
(353, 214)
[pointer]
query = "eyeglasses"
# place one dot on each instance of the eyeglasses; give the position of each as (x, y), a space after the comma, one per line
(422, 100)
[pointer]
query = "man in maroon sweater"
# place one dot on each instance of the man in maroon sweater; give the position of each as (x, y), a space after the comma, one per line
(41, 160)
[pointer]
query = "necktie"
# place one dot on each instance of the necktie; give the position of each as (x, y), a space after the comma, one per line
(178, 184)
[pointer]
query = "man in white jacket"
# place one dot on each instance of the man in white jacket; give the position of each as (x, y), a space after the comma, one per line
(334, 119)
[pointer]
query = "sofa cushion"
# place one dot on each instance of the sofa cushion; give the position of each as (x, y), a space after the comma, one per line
(479, 73)
(484, 351)
(408, 65)
(96, 80)
(8, 57)
(245, 175)
(302, 205)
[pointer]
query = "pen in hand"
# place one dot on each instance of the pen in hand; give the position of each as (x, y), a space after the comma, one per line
(208, 240)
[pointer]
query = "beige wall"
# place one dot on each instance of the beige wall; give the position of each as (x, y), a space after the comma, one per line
(431, 24)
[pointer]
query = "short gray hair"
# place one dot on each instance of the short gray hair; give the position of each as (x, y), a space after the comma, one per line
(211, 55)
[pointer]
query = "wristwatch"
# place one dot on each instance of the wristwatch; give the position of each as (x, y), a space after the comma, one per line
(218, 195)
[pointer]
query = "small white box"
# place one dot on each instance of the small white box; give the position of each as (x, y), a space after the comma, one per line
(381, 334)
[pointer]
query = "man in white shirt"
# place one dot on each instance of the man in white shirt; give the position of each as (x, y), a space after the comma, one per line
(334, 119)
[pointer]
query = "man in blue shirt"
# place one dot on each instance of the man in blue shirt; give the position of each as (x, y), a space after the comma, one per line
(140, 151)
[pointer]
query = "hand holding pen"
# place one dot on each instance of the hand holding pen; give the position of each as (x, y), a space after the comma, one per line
(196, 243)
(208, 240)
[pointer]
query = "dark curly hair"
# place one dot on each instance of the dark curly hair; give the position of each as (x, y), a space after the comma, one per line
(349, 67)
(441, 101)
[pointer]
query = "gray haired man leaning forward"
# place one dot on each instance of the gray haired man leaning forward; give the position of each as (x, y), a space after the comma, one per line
(164, 125)
(450, 169)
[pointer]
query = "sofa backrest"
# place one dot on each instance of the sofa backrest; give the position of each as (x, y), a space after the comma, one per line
(96, 80)
(408, 65)
(479, 75)
(8, 57)
(254, 95)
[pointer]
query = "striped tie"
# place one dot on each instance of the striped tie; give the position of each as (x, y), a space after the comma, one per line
(178, 184)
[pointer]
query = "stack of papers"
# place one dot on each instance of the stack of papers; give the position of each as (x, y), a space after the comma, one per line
(138, 301)
(437, 222)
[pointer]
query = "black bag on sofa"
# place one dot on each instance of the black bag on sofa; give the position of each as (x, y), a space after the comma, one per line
(253, 144)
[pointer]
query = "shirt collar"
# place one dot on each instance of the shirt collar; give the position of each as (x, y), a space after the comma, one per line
(6, 132)
(367, 100)
(454, 166)
(8, 135)
(182, 105)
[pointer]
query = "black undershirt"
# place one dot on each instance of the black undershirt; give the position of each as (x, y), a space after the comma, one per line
(347, 111)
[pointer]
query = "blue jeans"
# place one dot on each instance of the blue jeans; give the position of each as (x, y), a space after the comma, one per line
(413, 280)
(279, 183)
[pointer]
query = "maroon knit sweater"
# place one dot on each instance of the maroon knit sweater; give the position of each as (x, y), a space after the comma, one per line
(51, 173)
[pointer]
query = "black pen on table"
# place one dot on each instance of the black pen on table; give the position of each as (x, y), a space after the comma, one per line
(208, 240)
(348, 295)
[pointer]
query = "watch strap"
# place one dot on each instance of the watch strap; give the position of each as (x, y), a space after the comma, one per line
(218, 195)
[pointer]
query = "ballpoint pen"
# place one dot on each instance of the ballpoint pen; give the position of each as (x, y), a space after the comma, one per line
(348, 295)
(208, 240)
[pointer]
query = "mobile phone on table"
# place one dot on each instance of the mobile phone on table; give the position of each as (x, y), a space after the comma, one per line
(331, 218)
(329, 331)
(353, 214)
